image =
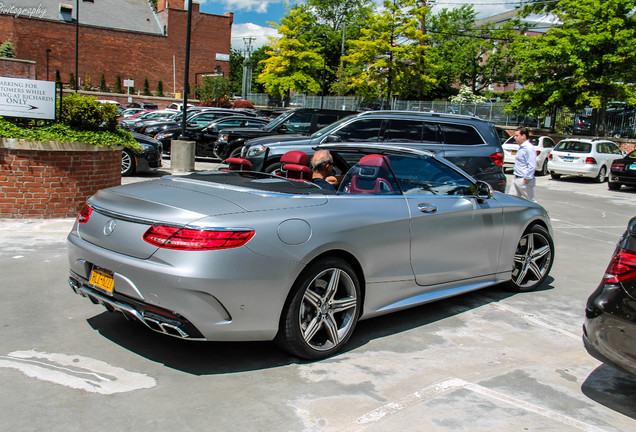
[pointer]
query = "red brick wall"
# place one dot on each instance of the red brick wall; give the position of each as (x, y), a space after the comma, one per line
(14, 68)
(53, 184)
(128, 54)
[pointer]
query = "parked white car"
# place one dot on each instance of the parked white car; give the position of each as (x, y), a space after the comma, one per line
(543, 144)
(583, 158)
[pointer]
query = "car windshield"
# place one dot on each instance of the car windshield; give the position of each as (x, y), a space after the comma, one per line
(278, 121)
(574, 146)
(327, 129)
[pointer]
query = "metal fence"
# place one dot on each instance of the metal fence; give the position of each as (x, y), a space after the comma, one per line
(619, 122)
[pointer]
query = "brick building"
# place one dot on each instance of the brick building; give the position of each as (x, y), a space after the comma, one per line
(125, 38)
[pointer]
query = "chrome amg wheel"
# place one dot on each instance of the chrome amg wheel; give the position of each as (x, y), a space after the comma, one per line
(532, 260)
(323, 311)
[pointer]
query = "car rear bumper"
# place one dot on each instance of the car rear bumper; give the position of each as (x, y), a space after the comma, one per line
(578, 170)
(622, 179)
(609, 329)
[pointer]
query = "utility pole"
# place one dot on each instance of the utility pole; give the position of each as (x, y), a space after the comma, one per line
(246, 87)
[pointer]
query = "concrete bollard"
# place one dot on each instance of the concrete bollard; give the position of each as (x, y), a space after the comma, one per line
(182, 155)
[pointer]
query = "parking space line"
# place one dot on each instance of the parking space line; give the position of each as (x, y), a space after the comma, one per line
(535, 321)
(456, 384)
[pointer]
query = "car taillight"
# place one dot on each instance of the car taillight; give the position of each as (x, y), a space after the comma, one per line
(617, 166)
(622, 267)
(196, 239)
(497, 158)
(590, 160)
(550, 156)
(84, 214)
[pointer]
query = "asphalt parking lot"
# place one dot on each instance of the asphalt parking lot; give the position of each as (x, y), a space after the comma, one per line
(486, 361)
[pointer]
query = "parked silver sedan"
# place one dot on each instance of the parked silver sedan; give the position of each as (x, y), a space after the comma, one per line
(244, 256)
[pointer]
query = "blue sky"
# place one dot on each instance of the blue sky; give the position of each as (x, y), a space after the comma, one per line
(251, 17)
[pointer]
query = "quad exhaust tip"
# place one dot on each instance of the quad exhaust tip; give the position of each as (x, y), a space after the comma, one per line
(154, 323)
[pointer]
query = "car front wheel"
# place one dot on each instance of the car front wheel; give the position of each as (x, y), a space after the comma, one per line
(127, 163)
(322, 310)
(532, 260)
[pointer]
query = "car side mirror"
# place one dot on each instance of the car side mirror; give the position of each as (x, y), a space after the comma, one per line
(282, 129)
(484, 191)
(333, 138)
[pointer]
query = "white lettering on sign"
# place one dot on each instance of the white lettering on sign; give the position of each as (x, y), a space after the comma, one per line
(27, 98)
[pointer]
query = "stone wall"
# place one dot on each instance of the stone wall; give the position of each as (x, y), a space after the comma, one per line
(51, 179)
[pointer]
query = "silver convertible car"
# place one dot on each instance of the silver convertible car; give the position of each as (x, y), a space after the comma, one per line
(245, 256)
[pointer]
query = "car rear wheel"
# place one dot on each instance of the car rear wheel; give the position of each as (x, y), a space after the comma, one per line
(555, 176)
(128, 167)
(321, 311)
(532, 260)
(544, 168)
(602, 175)
(613, 186)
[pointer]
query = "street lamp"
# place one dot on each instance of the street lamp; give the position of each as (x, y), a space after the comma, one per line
(48, 50)
(76, 46)
(322, 36)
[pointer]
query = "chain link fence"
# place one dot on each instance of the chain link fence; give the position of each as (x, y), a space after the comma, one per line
(620, 121)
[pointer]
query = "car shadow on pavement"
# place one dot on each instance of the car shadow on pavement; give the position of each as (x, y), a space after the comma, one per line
(612, 388)
(211, 358)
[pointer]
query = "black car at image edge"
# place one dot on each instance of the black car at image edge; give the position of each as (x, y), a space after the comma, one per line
(609, 330)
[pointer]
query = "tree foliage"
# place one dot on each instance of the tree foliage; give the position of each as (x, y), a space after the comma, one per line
(586, 60)
(7, 50)
(470, 55)
(214, 91)
(390, 56)
(295, 58)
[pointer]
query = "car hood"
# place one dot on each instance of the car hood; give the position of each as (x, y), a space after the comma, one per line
(176, 201)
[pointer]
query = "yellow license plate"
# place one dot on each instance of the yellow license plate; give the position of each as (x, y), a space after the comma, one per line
(514, 152)
(103, 280)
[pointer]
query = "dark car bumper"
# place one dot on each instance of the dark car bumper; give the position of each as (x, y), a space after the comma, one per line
(609, 330)
(623, 178)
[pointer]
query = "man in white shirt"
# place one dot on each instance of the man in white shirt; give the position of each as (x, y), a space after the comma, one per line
(525, 165)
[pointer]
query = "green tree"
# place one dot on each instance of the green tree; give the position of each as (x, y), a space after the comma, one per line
(118, 87)
(7, 50)
(294, 62)
(237, 61)
(160, 88)
(258, 64)
(390, 57)
(102, 84)
(214, 91)
(587, 60)
(146, 90)
(87, 82)
(71, 81)
(58, 79)
(464, 53)
(340, 13)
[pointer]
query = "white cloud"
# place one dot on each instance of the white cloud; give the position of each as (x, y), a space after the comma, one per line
(259, 6)
(260, 35)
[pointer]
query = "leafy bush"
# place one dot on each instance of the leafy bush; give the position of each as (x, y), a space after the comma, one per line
(85, 113)
(242, 103)
(64, 133)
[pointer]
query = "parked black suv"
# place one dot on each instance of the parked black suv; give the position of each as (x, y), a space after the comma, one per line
(303, 121)
(469, 142)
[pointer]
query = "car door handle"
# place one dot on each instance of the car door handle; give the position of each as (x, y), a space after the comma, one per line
(427, 208)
